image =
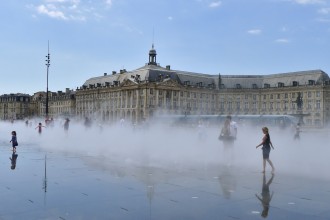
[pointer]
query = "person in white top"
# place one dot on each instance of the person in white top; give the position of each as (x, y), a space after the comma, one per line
(229, 133)
(233, 128)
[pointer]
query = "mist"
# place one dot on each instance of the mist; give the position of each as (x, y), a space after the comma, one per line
(174, 147)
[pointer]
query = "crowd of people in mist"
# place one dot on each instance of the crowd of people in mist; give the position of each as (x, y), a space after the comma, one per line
(230, 143)
(200, 141)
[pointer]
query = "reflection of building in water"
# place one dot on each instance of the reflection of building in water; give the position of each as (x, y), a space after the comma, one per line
(265, 197)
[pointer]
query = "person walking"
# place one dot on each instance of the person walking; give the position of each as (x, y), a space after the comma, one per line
(14, 140)
(266, 146)
(232, 127)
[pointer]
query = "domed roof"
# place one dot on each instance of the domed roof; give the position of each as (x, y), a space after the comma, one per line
(152, 51)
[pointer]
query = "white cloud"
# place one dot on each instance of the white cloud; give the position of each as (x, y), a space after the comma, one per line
(324, 11)
(306, 2)
(282, 40)
(108, 3)
(254, 31)
(51, 11)
(215, 4)
(76, 10)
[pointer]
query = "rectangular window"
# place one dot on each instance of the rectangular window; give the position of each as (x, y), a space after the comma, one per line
(309, 104)
(229, 105)
(238, 105)
(246, 105)
(318, 104)
(222, 105)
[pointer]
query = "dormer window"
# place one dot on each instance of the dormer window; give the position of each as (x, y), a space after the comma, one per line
(311, 82)
(295, 83)
(266, 85)
(280, 84)
(238, 86)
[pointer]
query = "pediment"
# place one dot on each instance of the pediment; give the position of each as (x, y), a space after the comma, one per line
(127, 83)
(170, 83)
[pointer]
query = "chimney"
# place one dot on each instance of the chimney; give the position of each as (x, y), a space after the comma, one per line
(168, 67)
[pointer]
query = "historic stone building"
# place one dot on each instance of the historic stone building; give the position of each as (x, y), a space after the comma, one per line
(60, 104)
(155, 90)
(14, 106)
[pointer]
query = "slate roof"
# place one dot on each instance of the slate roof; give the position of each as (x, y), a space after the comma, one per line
(154, 73)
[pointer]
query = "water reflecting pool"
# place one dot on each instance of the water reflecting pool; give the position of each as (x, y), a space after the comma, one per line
(61, 185)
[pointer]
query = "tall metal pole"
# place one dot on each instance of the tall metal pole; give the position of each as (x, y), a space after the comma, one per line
(47, 64)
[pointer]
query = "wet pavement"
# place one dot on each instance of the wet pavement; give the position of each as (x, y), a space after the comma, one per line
(62, 185)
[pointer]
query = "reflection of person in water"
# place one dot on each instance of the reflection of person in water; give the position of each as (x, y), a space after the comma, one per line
(266, 197)
(66, 124)
(227, 182)
(228, 136)
(13, 160)
(297, 132)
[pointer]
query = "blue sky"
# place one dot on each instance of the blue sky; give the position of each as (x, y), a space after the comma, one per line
(90, 37)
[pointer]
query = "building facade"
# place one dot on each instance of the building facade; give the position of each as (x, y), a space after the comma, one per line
(60, 104)
(154, 90)
(14, 106)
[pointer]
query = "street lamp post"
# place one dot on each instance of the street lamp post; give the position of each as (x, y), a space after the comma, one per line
(47, 64)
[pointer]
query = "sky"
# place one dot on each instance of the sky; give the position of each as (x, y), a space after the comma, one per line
(88, 38)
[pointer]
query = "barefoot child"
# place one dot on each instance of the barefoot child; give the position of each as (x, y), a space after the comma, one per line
(266, 144)
(39, 127)
(14, 140)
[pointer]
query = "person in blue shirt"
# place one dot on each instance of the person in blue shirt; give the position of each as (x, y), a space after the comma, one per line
(14, 140)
